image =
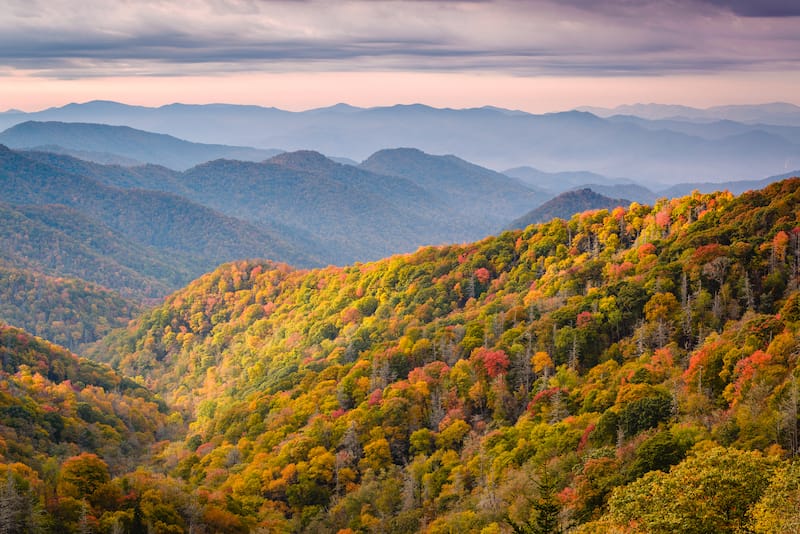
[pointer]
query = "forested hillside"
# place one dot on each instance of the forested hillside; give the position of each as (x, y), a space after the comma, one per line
(67, 311)
(632, 370)
(67, 425)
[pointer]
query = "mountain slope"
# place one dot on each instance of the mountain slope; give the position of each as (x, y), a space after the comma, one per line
(61, 241)
(511, 382)
(357, 213)
(479, 194)
(352, 213)
(565, 205)
(54, 404)
(66, 311)
(124, 142)
(191, 232)
(151, 177)
(310, 204)
(67, 426)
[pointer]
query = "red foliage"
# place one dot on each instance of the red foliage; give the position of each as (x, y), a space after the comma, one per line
(350, 315)
(646, 250)
(584, 318)
(663, 217)
(204, 449)
(706, 253)
(495, 362)
(585, 437)
(746, 369)
(617, 271)
(431, 373)
(375, 397)
(701, 358)
(482, 274)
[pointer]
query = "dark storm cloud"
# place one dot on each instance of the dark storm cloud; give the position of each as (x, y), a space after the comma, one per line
(97, 38)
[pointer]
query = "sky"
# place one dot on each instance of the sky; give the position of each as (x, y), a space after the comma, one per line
(537, 56)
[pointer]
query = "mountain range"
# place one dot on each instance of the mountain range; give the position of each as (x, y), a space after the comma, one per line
(146, 230)
(664, 153)
(143, 231)
(777, 113)
(583, 373)
(121, 145)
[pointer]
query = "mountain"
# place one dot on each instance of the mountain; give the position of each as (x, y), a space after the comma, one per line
(565, 205)
(711, 130)
(61, 241)
(153, 177)
(103, 158)
(178, 236)
(121, 144)
(736, 188)
(489, 137)
(482, 196)
(634, 192)
(352, 213)
(346, 214)
(778, 113)
(558, 182)
(395, 201)
(590, 374)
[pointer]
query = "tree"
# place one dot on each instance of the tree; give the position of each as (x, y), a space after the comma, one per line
(709, 492)
(82, 475)
(778, 511)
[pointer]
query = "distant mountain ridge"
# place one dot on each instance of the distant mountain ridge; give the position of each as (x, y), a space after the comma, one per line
(558, 182)
(104, 143)
(777, 113)
(491, 137)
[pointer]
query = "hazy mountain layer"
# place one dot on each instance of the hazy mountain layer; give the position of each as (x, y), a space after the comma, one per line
(191, 238)
(778, 113)
(491, 137)
(100, 142)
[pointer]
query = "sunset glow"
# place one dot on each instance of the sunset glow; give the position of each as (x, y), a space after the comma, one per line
(535, 56)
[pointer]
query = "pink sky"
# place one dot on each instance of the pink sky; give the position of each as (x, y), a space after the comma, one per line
(300, 91)
(536, 56)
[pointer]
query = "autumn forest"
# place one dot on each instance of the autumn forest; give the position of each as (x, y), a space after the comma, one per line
(632, 369)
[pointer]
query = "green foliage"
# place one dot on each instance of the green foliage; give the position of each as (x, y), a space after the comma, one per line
(710, 492)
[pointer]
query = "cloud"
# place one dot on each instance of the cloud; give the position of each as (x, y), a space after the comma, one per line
(61, 38)
(761, 8)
